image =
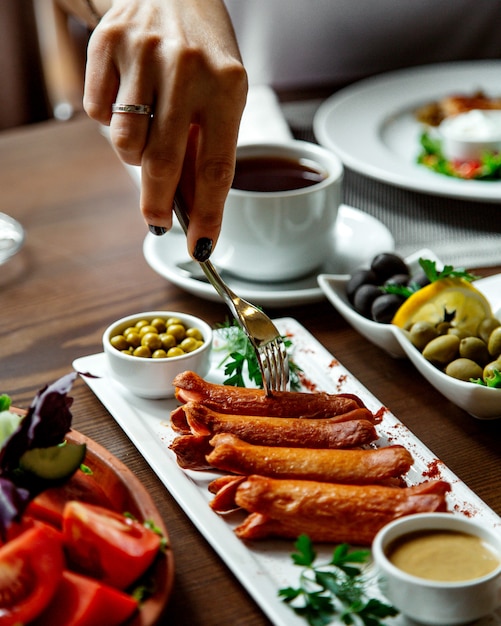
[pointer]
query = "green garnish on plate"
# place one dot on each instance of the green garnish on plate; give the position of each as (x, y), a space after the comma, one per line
(240, 360)
(333, 589)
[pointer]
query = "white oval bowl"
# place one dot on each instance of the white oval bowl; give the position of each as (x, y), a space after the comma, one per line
(434, 602)
(152, 378)
(477, 400)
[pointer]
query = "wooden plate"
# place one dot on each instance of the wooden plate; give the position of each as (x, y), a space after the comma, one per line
(126, 494)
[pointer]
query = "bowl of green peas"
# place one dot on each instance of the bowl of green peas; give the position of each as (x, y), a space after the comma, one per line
(147, 350)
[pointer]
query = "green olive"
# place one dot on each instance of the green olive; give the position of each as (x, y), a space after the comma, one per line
(463, 369)
(459, 332)
(119, 342)
(172, 352)
(486, 327)
(443, 328)
(494, 343)
(142, 351)
(442, 350)
(475, 349)
(490, 367)
(152, 341)
(422, 333)
(141, 323)
(178, 330)
(195, 333)
(188, 344)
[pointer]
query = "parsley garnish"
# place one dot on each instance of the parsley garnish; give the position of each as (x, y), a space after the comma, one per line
(432, 274)
(489, 380)
(448, 271)
(241, 361)
(336, 588)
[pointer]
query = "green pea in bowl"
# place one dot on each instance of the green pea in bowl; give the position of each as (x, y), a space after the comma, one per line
(147, 350)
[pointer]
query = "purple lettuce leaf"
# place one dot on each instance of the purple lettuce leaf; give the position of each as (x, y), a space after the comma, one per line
(45, 424)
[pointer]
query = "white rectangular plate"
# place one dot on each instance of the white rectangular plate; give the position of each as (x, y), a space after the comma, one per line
(265, 567)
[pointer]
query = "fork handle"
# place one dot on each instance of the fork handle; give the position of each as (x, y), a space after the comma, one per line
(207, 266)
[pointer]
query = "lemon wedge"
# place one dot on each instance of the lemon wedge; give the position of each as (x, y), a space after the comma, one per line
(446, 295)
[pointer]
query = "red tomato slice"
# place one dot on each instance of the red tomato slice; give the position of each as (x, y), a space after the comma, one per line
(82, 601)
(31, 567)
(48, 506)
(106, 545)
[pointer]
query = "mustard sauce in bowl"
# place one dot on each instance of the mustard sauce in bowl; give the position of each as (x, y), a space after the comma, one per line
(443, 555)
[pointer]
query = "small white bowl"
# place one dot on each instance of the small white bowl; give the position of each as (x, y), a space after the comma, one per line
(479, 401)
(152, 378)
(469, 135)
(434, 602)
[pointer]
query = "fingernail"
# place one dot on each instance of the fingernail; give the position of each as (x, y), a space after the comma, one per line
(157, 230)
(203, 249)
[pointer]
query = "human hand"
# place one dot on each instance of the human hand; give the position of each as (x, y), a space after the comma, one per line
(181, 57)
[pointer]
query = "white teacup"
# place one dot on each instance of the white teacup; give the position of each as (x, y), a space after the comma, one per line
(280, 235)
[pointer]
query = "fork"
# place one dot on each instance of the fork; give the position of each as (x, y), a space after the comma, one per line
(263, 335)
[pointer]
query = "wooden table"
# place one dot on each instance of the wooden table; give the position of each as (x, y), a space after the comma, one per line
(82, 267)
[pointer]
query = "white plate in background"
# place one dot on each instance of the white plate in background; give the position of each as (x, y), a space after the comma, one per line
(371, 125)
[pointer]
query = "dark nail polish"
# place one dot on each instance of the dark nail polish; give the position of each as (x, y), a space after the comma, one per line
(203, 249)
(157, 230)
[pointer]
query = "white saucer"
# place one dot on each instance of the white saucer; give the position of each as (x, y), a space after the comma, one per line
(357, 238)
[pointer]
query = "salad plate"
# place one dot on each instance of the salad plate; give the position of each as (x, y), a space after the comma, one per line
(356, 238)
(371, 125)
(119, 486)
(265, 567)
(481, 402)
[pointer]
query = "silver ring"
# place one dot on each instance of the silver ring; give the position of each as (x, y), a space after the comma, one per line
(138, 109)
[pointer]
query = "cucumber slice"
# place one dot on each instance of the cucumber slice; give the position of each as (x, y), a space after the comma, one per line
(54, 462)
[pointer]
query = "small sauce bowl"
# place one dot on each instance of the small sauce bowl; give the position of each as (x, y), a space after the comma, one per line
(438, 602)
(152, 377)
(468, 136)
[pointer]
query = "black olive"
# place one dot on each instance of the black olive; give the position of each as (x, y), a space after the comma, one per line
(364, 297)
(400, 280)
(420, 279)
(384, 308)
(386, 264)
(359, 278)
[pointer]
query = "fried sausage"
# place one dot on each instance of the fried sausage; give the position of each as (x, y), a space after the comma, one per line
(329, 512)
(242, 400)
(280, 431)
(357, 467)
(191, 452)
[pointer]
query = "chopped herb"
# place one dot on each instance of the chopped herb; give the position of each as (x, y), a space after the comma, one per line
(432, 274)
(240, 361)
(336, 588)
(491, 380)
(448, 271)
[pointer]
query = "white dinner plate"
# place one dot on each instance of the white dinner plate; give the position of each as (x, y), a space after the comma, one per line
(356, 239)
(371, 125)
(263, 567)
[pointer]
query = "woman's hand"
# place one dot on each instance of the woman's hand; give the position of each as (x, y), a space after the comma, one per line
(181, 57)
